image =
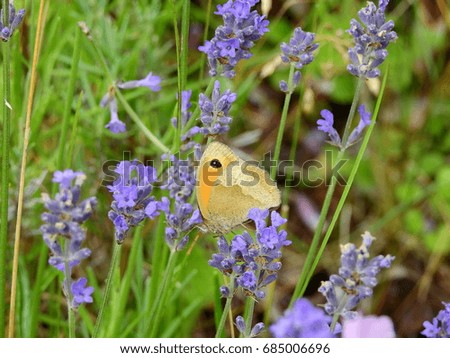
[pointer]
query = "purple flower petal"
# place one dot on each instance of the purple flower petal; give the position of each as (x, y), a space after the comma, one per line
(368, 327)
(151, 81)
(304, 320)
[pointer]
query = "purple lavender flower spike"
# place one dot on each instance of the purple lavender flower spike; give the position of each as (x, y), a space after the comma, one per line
(276, 219)
(132, 200)
(363, 123)
(257, 329)
(215, 111)
(248, 281)
(66, 177)
(371, 40)
(186, 114)
(259, 217)
(300, 48)
(240, 324)
(242, 327)
(214, 116)
(186, 101)
(304, 320)
(115, 125)
(439, 327)
(325, 124)
(225, 292)
(151, 81)
(180, 183)
(383, 4)
(232, 40)
(299, 52)
(356, 278)
(6, 31)
(62, 231)
(253, 262)
(185, 106)
(296, 78)
(81, 293)
(284, 86)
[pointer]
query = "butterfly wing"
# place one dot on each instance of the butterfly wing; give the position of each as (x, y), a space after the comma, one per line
(208, 176)
(226, 194)
(228, 208)
(256, 183)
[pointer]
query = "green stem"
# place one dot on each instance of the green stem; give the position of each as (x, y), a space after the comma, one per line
(285, 202)
(226, 309)
(62, 154)
(347, 188)
(287, 100)
(154, 139)
(177, 142)
(112, 268)
(302, 283)
(6, 51)
(249, 312)
(293, 151)
(182, 51)
(69, 296)
(184, 43)
(160, 250)
(133, 115)
(217, 301)
(35, 299)
(205, 38)
(338, 312)
(74, 131)
(157, 309)
(303, 280)
(296, 131)
(351, 114)
(196, 112)
(119, 303)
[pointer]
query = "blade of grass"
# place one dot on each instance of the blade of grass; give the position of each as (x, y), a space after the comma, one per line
(205, 38)
(112, 268)
(180, 79)
(347, 188)
(218, 311)
(15, 265)
(74, 131)
(175, 324)
(152, 137)
(226, 309)
(285, 201)
(6, 52)
(119, 310)
(157, 308)
(303, 282)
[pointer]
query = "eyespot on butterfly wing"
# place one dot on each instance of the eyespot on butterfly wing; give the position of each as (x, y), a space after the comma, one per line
(228, 187)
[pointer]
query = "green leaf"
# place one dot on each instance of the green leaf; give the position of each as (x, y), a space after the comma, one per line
(343, 88)
(438, 241)
(406, 191)
(414, 221)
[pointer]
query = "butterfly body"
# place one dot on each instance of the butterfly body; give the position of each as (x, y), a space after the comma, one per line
(228, 187)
